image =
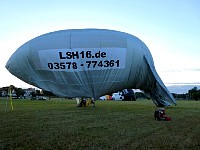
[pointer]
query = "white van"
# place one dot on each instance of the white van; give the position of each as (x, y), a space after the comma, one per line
(117, 96)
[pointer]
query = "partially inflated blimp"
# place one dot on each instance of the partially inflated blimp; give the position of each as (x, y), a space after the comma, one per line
(88, 63)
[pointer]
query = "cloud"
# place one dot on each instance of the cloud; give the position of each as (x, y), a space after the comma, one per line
(180, 75)
(193, 69)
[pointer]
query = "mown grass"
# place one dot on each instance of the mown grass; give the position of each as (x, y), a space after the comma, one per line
(59, 124)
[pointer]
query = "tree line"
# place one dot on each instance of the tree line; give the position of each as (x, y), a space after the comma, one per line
(193, 94)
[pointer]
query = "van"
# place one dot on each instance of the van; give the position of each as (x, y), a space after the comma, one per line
(117, 96)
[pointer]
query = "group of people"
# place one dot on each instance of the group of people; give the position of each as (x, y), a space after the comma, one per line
(85, 102)
(159, 114)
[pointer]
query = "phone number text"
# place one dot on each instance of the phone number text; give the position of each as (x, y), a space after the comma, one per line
(87, 64)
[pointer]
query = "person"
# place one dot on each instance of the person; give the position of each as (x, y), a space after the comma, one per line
(82, 103)
(92, 102)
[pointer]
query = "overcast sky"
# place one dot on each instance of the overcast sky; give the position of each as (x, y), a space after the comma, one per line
(170, 29)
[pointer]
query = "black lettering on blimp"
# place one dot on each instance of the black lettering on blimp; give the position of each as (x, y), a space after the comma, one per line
(87, 54)
(100, 54)
(69, 55)
(72, 55)
(75, 55)
(61, 56)
(103, 54)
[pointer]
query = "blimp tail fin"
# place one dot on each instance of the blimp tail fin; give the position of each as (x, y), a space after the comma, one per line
(159, 89)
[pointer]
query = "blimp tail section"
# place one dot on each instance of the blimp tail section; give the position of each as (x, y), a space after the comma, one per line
(159, 93)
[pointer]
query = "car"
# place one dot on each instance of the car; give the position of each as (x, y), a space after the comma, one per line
(117, 96)
(41, 98)
(102, 98)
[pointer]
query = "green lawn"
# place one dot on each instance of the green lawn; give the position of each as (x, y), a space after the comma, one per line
(59, 124)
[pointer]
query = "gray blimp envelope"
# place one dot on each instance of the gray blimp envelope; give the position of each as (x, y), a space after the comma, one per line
(88, 63)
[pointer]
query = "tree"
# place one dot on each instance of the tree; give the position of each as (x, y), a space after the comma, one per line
(195, 96)
(38, 93)
(48, 94)
(19, 92)
(33, 95)
(194, 93)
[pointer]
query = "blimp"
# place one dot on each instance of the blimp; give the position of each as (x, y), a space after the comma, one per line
(89, 63)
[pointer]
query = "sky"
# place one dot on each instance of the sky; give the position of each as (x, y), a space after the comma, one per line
(170, 29)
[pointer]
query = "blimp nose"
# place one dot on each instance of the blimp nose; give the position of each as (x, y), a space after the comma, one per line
(12, 65)
(16, 64)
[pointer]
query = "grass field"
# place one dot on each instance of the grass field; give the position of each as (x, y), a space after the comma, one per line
(59, 124)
